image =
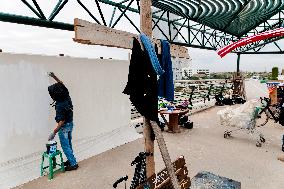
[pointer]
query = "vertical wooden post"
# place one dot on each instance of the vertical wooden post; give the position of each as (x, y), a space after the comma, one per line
(149, 147)
(146, 17)
(146, 28)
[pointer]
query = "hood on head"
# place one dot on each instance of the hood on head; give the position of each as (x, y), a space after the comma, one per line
(58, 92)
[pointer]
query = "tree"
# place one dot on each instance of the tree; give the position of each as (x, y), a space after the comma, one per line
(274, 73)
(194, 78)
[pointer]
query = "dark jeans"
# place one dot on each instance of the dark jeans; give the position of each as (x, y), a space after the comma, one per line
(65, 136)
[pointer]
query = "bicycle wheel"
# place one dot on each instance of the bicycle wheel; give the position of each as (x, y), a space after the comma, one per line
(276, 112)
(262, 119)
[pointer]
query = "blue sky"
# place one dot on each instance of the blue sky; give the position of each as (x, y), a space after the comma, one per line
(17, 38)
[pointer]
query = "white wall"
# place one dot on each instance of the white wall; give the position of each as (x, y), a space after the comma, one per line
(100, 108)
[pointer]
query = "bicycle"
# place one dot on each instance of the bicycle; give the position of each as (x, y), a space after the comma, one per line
(219, 96)
(274, 112)
(207, 96)
(139, 174)
(268, 111)
(190, 99)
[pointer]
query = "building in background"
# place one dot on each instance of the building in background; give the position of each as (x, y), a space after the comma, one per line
(205, 72)
(188, 72)
(179, 65)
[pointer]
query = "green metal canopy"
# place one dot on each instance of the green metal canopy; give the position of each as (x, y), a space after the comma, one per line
(205, 24)
(236, 17)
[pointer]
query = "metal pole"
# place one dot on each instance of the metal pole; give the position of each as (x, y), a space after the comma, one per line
(238, 63)
(4, 17)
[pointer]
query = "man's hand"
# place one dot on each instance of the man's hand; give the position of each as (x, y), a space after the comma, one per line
(51, 136)
(51, 74)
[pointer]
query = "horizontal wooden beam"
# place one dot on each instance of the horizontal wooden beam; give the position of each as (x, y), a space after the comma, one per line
(96, 34)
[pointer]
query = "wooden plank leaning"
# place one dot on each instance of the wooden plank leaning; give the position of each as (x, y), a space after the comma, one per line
(165, 154)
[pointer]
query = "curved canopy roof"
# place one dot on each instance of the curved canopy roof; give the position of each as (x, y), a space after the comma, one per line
(236, 17)
(206, 24)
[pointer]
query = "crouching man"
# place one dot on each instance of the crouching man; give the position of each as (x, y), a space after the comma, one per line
(64, 119)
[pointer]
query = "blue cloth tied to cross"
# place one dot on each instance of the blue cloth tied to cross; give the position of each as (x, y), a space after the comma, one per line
(152, 54)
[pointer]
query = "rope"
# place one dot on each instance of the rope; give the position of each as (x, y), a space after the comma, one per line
(165, 154)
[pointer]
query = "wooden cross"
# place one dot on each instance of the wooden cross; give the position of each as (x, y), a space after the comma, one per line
(94, 34)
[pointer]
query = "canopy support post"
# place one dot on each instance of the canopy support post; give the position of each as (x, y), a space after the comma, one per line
(238, 63)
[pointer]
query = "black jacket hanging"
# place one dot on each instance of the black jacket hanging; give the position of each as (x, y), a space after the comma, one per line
(142, 83)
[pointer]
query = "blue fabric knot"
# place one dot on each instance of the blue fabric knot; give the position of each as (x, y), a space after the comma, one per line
(152, 54)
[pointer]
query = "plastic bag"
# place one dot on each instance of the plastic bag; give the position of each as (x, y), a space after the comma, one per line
(241, 117)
